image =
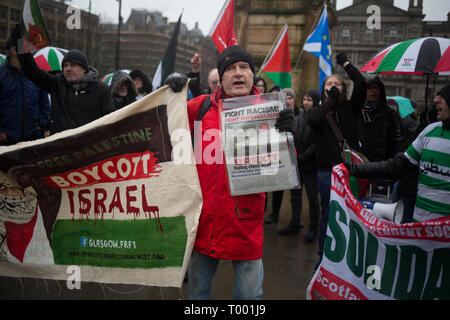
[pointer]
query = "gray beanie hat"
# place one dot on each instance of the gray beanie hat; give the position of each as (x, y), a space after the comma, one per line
(290, 92)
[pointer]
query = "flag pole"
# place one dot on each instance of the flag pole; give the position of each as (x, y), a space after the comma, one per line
(312, 29)
(271, 50)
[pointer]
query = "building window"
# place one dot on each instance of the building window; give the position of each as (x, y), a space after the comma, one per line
(368, 35)
(408, 93)
(363, 59)
(15, 15)
(413, 33)
(346, 33)
(3, 12)
(3, 32)
(393, 33)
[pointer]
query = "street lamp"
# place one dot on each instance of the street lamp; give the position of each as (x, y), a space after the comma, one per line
(88, 46)
(118, 36)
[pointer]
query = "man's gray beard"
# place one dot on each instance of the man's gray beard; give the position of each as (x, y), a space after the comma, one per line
(18, 209)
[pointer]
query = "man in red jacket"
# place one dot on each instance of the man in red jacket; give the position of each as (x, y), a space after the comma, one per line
(230, 228)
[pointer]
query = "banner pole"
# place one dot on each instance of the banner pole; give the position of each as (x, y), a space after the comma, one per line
(271, 50)
(312, 29)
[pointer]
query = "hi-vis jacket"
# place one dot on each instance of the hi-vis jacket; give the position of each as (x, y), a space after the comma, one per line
(230, 227)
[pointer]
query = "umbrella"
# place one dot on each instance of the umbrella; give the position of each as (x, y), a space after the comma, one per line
(108, 78)
(443, 66)
(50, 58)
(2, 58)
(415, 56)
(405, 107)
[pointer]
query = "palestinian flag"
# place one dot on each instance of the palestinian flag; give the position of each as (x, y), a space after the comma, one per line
(358, 186)
(278, 66)
(37, 35)
(167, 64)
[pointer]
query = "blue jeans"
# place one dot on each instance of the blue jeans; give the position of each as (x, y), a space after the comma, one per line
(249, 275)
(324, 186)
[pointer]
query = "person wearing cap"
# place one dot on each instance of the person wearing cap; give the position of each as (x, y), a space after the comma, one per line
(431, 153)
(77, 96)
(230, 228)
(24, 107)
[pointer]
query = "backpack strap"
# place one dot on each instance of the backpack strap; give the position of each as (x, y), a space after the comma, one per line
(206, 105)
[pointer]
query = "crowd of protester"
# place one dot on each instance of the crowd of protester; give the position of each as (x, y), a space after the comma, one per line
(367, 123)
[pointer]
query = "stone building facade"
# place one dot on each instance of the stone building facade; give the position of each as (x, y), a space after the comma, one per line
(144, 38)
(360, 43)
(258, 23)
(87, 39)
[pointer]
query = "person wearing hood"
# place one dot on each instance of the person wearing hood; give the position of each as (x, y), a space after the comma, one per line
(77, 97)
(334, 109)
(430, 152)
(124, 91)
(306, 159)
(275, 88)
(24, 107)
(379, 126)
(142, 82)
(295, 224)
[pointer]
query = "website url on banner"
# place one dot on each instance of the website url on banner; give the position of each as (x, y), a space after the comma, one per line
(113, 244)
(118, 256)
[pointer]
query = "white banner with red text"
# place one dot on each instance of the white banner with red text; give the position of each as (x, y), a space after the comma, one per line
(366, 258)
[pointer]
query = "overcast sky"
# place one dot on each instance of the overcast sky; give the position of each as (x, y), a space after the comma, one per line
(205, 11)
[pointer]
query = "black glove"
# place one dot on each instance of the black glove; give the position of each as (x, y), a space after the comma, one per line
(286, 121)
(334, 93)
(16, 34)
(349, 168)
(176, 81)
(341, 58)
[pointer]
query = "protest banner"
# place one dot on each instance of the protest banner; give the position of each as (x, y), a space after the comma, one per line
(366, 258)
(107, 197)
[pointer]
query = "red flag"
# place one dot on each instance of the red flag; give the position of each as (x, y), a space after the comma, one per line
(222, 32)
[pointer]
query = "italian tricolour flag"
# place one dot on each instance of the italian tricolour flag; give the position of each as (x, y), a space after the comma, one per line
(37, 36)
(278, 66)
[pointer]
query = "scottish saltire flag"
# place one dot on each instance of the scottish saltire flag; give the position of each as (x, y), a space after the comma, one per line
(318, 43)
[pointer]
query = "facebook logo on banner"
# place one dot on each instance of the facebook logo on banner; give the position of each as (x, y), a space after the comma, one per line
(83, 242)
(318, 43)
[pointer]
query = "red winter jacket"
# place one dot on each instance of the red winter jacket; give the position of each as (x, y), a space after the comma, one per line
(230, 227)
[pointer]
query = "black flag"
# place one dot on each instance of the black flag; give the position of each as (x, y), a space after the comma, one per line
(167, 64)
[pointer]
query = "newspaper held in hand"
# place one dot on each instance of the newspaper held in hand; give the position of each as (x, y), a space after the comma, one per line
(258, 157)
